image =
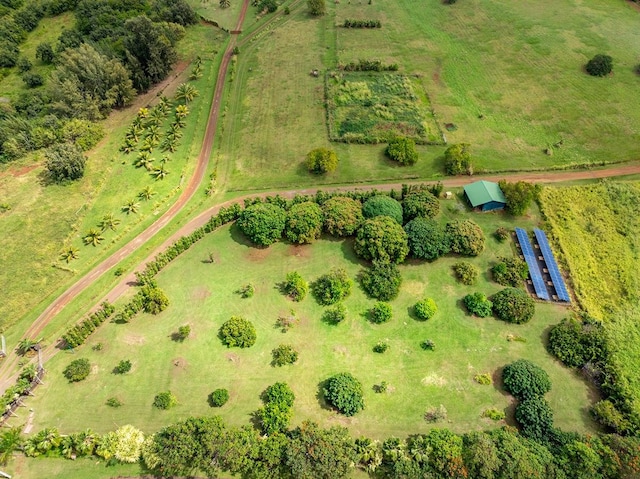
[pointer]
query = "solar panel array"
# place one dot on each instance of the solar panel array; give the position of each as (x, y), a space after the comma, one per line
(552, 266)
(532, 262)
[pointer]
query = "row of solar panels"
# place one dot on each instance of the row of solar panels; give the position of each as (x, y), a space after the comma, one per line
(534, 268)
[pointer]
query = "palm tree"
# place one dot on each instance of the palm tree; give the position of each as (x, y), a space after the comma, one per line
(179, 122)
(137, 122)
(128, 146)
(109, 222)
(182, 111)
(196, 72)
(160, 173)
(225, 3)
(164, 102)
(147, 193)
(131, 207)
(186, 92)
(29, 447)
(69, 254)
(143, 113)
(9, 442)
(47, 439)
(142, 159)
(158, 114)
(148, 145)
(68, 446)
(164, 160)
(85, 442)
(153, 134)
(25, 346)
(93, 237)
(170, 144)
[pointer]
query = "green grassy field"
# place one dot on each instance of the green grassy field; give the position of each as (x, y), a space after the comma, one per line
(210, 10)
(203, 296)
(517, 65)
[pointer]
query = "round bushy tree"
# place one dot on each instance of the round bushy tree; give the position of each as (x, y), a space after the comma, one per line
(466, 273)
(478, 304)
(295, 286)
(322, 160)
(525, 380)
(64, 162)
(457, 160)
(513, 305)
(154, 299)
(510, 271)
(381, 238)
(425, 309)
(317, 7)
(382, 281)
(284, 354)
(342, 216)
(535, 418)
(345, 393)
(380, 313)
(165, 400)
(335, 315)
(238, 332)
(304, 223)
(600, 65)
(402, 150)
(466, 237)
(421, 204)
(77, 370)
(381, 205)
(332, 287)
(426, 239)
(262, 223)
(218, 398)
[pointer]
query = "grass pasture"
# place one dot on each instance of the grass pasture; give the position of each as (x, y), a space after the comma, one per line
(203, 295)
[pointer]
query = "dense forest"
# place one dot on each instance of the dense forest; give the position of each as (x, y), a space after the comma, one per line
(115, 49)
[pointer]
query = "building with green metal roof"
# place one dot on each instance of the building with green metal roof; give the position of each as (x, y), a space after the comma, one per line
(485, 195)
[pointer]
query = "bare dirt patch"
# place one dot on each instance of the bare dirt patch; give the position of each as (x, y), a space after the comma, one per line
(134, 339)
(414, 288)
(233, 358)
(200, 293)
(299, 251)
(257, 255)
(341, 350)
(179, 365)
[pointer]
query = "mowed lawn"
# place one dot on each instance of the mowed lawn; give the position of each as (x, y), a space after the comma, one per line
(509, 75)
(203, 295)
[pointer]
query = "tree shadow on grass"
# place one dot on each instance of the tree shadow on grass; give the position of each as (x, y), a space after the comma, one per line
(320, 396)
(238, 236)
(349, 254)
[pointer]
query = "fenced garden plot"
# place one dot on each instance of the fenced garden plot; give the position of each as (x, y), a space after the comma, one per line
(376, 107)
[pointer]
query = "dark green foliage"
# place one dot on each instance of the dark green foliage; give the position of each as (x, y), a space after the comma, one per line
(466, 273)
(295, 286)
(428, 345)
(426, 239)
(600, 65)
(77, 370)
(382, 205)
(535, 418)
(457, 160)
(513, 305)
(382, 281)
(317, 7)
(381, 238)
(304, 223)
(502, 234)
(435, 414)
(284, 354)
(182, 333)
(247, 291)
(165, 400)
(332, 287)
(510, 271)
(344, 392)
(44, 53)
(114, 402)
(525, 380)
(381, 347)
(519, 195)
(237, 332)
(380, 313)
(77, 335)
(23, 64)
(466, 237)
(175, 11)
(123, 367)
(64, 162)
(322, 160)
(606, 413)
(369, 66)
(420, 203)
(276, 414)
(425, 309)
(154, 299)
(335, 315)
(478, 304)
(218, 398)
(362, 24)
(262, 223)
(342, 216)
(402, 150)
(576, 342)
(268, 5)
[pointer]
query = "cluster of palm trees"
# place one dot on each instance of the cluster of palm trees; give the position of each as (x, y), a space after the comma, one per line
(196, 72)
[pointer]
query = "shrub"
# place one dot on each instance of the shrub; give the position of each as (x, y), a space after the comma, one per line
(275, 415)
(380, 313)
(32, 80)
(64, 162)
(128, 444)
(123, 367)
(77, 370)
(342, 216)
(428, 345)
(154, 299)
(435, 414)
(420, 204)
(262, 223)
(381, 238)
(165, 400)
(402, 150)
(23, 64)
(247, 291)
(295, 287)
(502, 234)
(183, 333)
(513, 305)
(284, 354)
(335, 315)
(317, 7)
(484, 379)
(238, 332)
(218, 398)
(304, 223)
(344, 392)
(525, 380)
(457, 160)
(510, 271)
(519, 195)
(608, 415)
(381, 205)
(535, 418)
(114, 402)
(494, 414)
(381, 347)
(381, 388)
(478, 304)
(382, 281)
(600, 65)
(466, 273)
(466, 237)
(577, 342)
(322, 160)
(426, 239)
(332, 287)
(285, 323)
(425, 309)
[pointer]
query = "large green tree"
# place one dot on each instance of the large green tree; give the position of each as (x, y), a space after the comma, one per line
(342, 215)
(263, 223)
(317, 7)
(64, 162)
(344, 392)
(304, 222)
(381, 238)
(426, 239)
